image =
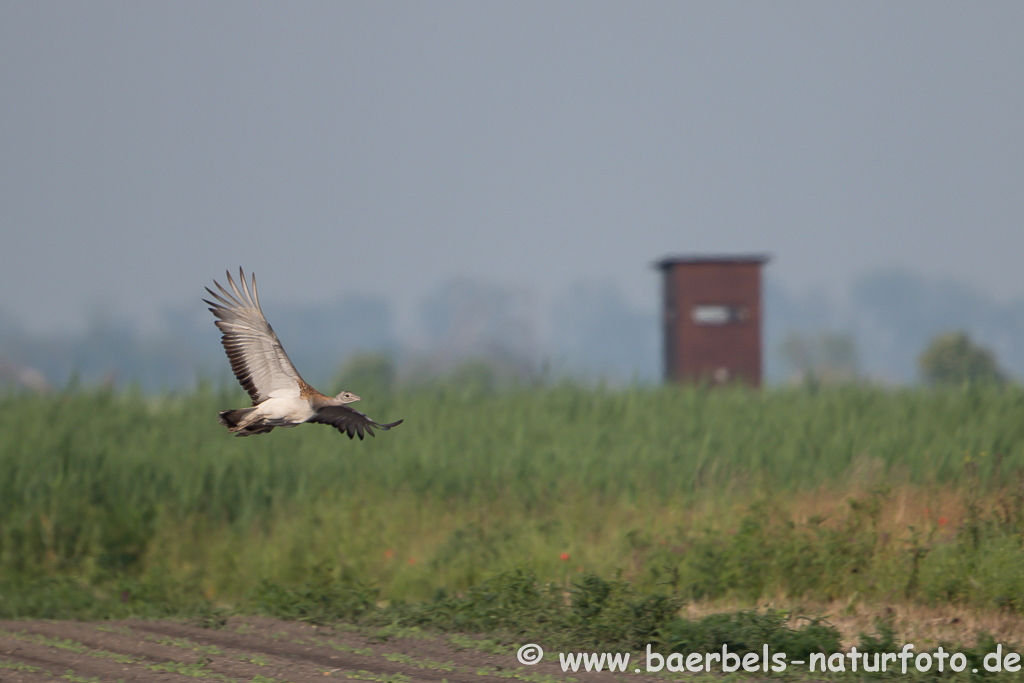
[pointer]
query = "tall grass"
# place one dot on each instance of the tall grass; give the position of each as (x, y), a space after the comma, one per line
(657, 484)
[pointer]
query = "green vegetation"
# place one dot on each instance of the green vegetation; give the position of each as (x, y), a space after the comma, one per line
(116, 504)
(953, 359)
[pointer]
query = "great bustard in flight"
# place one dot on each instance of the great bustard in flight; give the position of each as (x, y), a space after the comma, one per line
(280, 397)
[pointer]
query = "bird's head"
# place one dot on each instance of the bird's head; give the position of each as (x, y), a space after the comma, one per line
(346, 397)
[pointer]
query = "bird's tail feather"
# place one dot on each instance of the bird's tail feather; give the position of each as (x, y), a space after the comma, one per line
(231, 418)
(235, 421)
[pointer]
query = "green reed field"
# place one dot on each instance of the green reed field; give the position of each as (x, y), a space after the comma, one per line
(122, 501)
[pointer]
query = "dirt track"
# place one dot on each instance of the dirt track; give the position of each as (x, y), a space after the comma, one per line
(250, 650)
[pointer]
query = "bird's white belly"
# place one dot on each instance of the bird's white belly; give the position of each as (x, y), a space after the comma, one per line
(284, 411)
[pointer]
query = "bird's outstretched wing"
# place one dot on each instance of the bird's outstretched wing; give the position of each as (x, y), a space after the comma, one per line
(349, 421)
(257, 357)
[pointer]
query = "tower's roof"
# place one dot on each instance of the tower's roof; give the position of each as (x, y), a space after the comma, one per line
(685, 259)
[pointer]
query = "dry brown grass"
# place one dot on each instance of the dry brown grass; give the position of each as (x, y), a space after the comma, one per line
(893, 509)
(898, 506)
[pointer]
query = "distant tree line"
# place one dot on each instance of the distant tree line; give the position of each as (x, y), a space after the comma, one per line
(492, 335)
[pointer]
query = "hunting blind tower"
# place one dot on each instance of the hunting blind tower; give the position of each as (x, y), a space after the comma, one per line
(712, 318)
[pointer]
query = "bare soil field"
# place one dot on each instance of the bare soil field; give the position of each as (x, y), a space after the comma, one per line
(255, 650)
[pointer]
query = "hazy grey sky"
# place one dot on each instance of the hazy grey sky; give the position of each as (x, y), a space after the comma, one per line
(383, 147)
